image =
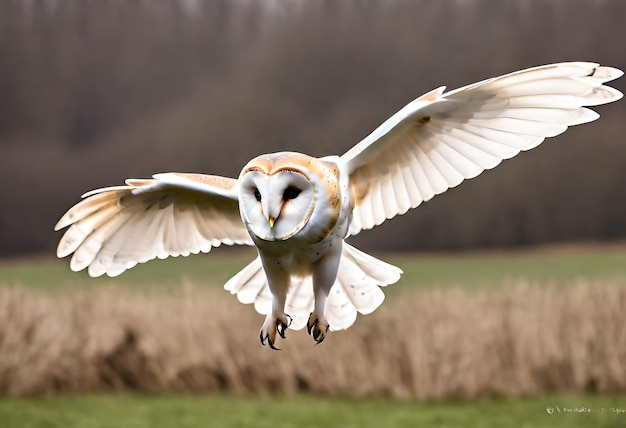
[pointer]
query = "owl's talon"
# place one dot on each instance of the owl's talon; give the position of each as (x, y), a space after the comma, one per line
(281, 325)
(317, 326)
(274, 324)
(271, 345)
(270, 342)
(280, 328)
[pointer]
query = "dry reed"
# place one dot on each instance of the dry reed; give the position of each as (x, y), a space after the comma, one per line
(520, 339)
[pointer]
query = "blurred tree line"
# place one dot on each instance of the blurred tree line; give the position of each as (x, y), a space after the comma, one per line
(94, 91)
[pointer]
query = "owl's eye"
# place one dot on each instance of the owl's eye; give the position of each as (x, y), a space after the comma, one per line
(291, 193)
(257, 195)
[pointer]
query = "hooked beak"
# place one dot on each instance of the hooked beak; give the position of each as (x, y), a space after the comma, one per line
(272, 220)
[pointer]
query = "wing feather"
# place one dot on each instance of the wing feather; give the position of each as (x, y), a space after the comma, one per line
(473, 158)
(173, 214)
(441, 139)
(451, 149)
(390, 205)
(434, 178)
(400, 191)
(408, 182)
(422, 186)
(377, 200)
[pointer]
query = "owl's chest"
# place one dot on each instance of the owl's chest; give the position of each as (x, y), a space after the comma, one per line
(298, 259)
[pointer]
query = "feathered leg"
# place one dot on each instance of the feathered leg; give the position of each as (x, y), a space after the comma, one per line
(324, 274)
(276, 320)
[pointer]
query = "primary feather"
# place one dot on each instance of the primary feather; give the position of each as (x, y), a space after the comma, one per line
(441, 139)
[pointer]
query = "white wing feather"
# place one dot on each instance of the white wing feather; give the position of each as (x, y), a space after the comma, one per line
(174, 214)
(441, 139)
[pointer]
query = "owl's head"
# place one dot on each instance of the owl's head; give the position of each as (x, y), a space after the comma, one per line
(276, 195)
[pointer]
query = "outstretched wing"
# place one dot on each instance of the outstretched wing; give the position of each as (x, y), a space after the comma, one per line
(441, 139)
(173, 214)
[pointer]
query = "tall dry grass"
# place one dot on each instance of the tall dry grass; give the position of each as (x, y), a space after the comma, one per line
(521, 339)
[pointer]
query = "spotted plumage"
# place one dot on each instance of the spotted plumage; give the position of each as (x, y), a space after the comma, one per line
(298, 210)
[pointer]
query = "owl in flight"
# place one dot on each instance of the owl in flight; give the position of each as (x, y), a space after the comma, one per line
(297, 210)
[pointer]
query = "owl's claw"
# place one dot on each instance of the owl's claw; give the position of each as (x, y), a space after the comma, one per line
(317, 326)
(273, 325)
(280, 327)
(270, 342)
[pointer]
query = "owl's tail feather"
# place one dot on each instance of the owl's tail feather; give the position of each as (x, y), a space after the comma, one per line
(356, 289)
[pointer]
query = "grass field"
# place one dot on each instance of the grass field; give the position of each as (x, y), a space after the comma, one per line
(487, 271)
(173, 411)
(459, 269)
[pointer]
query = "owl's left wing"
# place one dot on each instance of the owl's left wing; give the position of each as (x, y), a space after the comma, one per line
(441, 139)
(173, 214)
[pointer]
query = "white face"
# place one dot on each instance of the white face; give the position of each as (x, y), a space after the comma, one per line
(277, 206)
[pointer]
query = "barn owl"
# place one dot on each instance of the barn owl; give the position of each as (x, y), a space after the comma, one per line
(297, 210)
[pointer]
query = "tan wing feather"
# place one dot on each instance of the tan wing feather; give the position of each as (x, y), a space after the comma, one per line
(174, 214)
(441, 139)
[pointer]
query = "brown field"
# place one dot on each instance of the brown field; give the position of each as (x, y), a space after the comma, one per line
(517, 340)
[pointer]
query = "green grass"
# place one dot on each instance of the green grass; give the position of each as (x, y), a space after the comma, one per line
(50, 273)
(495, 267)
(468, 269)
(136, 411)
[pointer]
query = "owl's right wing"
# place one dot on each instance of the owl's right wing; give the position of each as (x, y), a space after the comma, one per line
(173, 214)
(443, 138)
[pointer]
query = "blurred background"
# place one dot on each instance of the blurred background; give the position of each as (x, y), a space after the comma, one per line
(95, 91)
